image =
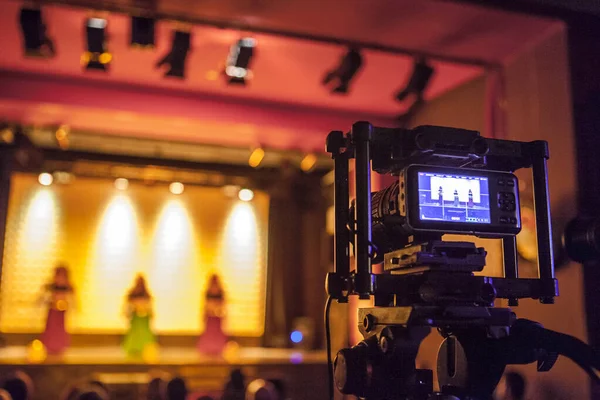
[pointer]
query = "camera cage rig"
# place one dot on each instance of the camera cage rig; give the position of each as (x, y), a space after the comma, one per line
(480, 339)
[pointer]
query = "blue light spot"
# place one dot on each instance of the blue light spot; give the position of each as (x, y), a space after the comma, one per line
(296, 336)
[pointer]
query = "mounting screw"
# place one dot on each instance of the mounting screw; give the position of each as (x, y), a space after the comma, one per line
(369, 322)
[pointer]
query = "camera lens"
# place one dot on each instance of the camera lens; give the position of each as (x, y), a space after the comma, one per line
(581, 239)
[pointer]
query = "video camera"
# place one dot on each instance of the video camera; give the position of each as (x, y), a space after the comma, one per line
(447, 180)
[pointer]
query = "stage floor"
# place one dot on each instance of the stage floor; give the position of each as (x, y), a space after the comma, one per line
(18, 355)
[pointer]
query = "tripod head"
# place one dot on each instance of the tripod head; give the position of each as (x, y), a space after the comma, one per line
(448, 181)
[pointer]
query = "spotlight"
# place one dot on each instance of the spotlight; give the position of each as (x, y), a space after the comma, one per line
(62, 137)
(45, 179)
(175, 58)
(256, 157)
(417, 82)
(308, 162)
(97, 55)
(142, 32)
(246, 195)
(35, 39)
(237, 68)
(338, 79)
(121, 184)
(176, 187)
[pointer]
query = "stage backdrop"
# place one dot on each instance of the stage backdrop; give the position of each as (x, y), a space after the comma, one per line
(107, 236)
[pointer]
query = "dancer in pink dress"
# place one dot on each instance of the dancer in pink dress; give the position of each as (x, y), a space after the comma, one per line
(213, 339)
(58, 296)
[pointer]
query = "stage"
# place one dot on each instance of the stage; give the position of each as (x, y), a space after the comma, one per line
(304, 372)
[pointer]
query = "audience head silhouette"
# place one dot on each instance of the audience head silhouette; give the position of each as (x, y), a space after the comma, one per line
(176, 389)
(19, 386)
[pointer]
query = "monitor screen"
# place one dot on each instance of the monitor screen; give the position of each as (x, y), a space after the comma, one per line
(454, 198)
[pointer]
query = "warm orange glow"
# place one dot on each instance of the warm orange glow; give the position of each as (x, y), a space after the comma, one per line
(256, 157)
(7, 135)
(45, 179)
(308, 162)
(105, 58)
(61, 305)
(36, 352)
(61, 134)
(212, 75)
(85, 58)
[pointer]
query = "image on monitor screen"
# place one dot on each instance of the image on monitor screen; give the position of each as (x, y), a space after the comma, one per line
(454, 198)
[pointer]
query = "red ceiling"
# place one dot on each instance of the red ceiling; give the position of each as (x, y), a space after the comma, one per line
(287, 72)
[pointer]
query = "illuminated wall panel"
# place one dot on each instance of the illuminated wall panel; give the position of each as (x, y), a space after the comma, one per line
(107, 236)
(33, 243)
(240, 257)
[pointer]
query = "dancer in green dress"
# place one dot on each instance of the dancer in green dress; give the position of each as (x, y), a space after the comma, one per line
(139, 311)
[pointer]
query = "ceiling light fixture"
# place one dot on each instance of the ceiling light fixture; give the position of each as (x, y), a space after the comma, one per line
(417, 82)
(142, 32)
(237, 67)
(36, 42)
(97, 55)
(339, 78)
(176, 57)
